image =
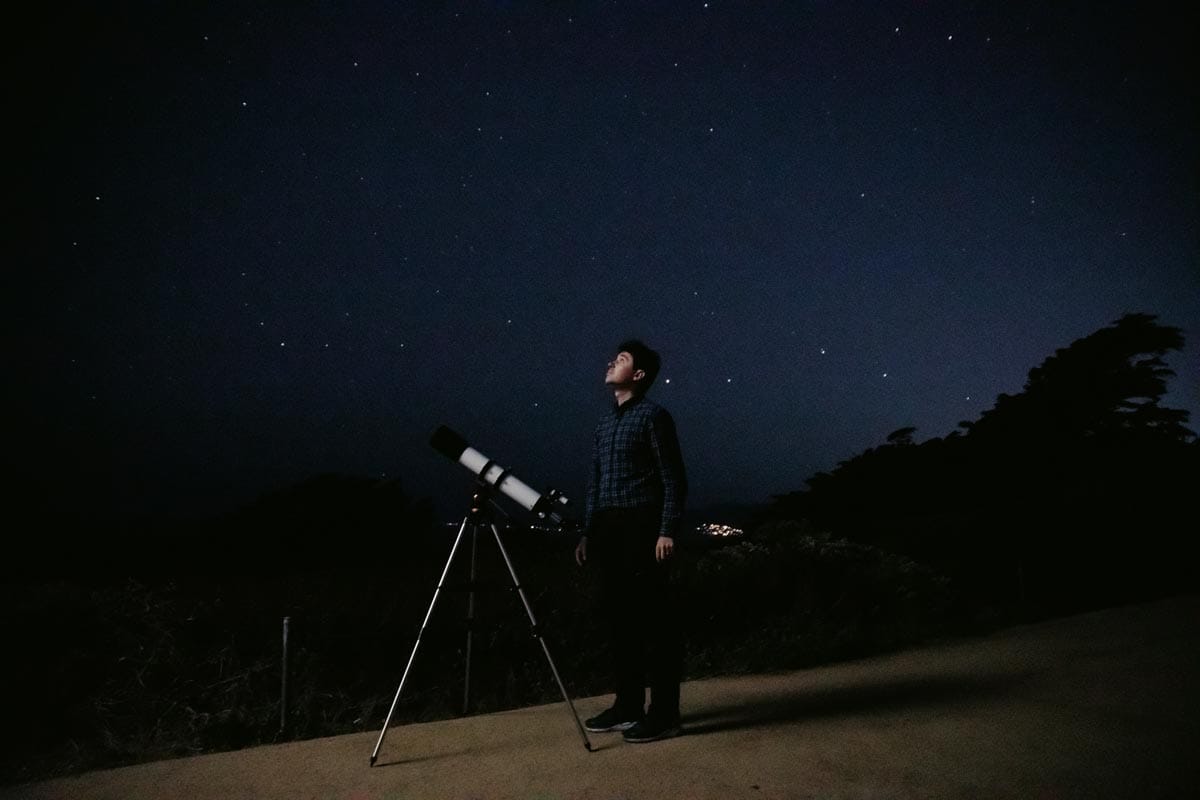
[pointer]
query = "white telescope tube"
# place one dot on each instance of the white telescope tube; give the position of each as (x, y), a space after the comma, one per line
(455, 448)
(511, 485)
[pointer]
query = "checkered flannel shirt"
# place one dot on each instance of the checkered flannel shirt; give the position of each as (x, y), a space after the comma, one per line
(636, 463)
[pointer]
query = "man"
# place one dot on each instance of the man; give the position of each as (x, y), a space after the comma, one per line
(635, 500)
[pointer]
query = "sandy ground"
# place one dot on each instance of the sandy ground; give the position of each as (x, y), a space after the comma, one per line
(1100, 705)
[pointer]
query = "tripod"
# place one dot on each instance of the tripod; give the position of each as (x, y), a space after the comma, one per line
(478, 517)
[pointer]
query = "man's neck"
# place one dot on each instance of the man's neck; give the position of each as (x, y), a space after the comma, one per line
(622, 396)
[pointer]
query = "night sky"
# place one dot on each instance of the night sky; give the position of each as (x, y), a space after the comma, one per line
(258, 243)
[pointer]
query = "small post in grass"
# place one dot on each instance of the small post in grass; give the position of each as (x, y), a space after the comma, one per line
(283, 684)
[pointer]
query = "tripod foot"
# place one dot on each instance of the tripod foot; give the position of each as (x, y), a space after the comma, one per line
(372, 761)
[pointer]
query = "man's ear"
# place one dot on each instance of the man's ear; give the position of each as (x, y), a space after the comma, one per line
(639, 375)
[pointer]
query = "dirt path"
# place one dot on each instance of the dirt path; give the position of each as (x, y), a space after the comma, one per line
(1100, 705)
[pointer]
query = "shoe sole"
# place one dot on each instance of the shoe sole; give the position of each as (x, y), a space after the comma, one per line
(620, 726)
(668, 733)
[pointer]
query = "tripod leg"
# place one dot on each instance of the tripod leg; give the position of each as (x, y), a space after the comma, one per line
(413, 655)
(537, 632)
(470, 623)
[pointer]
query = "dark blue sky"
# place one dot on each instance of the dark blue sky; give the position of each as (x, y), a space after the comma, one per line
(267, 241)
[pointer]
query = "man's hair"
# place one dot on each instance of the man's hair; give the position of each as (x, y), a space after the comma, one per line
(644, 359)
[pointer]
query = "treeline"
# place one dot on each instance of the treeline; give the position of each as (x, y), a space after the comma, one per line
(1077, 492)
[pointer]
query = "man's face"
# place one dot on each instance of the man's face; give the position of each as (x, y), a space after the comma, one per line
(621, 371)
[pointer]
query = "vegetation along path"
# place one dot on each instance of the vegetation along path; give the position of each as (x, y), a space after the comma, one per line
(1104, 704)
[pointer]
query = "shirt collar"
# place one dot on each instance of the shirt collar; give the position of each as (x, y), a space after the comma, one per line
(621, 409)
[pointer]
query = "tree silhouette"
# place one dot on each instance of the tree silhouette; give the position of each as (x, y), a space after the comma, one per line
(1093, 388)
(1066, 491)
(903, 436)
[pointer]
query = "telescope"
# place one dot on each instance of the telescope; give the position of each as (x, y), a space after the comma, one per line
(493, 476)
(454, 447)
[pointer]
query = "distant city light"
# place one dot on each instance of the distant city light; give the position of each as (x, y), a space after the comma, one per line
(715, 529)
(704, 529)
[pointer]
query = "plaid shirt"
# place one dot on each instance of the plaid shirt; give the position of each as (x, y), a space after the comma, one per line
(636, 463)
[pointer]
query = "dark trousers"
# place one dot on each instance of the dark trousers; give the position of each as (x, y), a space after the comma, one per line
(641, 610)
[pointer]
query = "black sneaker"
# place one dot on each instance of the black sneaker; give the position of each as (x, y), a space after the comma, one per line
(611, 720)
(651, 730)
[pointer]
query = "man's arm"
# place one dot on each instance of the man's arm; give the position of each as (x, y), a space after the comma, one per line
(665, 444)
(593, 490)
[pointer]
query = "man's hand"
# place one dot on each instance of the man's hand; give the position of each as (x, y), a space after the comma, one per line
(664, 548)
(581, 551)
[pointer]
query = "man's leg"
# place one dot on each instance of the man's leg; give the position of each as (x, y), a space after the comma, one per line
(623, 619)
(662, 636)
(664, 644)
(630, 658)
